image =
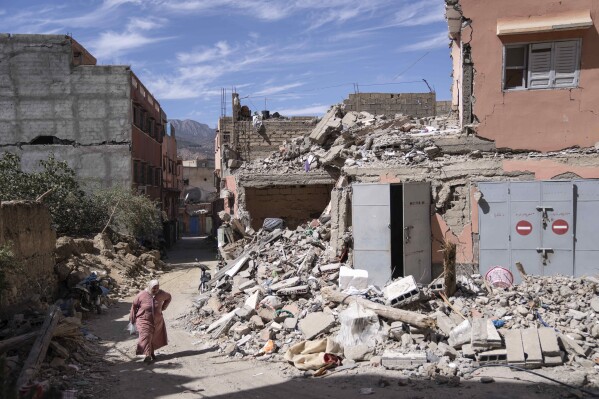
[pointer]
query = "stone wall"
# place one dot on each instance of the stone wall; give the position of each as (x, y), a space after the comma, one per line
(414, 104)
(294, 204)
(255, 144)
(25, 226)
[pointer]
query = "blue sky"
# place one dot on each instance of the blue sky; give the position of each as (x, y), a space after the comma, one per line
(300, 56)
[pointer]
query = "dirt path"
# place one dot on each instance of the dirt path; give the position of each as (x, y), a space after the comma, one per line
(187, 369)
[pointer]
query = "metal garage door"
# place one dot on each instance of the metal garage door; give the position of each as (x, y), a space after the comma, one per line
(548, 226)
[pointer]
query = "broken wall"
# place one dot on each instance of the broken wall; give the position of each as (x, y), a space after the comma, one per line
(543, 120)
(294, 204)
(49, 106)
(251, 143)
(26, 228)
(415, 104)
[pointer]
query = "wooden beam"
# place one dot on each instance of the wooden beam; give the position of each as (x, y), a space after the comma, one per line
(16, 342)
(40, 347)
(331, 294)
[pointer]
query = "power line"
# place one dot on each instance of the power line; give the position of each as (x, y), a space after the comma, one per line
(411, 65)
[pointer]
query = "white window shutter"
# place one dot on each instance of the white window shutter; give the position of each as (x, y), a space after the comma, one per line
(539, 72)
(566, 63)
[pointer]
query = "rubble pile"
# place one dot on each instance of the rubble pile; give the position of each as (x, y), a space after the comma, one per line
(358, 138)
(124, 268)
(72, 362)
(283, 300)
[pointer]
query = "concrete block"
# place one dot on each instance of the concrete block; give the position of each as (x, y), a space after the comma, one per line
(256, 322)
(444, 323)
(514, 348)
(223, 320)
(356, 278)
(246, 285)
(460, 335)
(468, 352)
(532, 348)
(328, 124)
(548, 340)
(297, 290)
(358, 353)
(494, 356)
(252, 301)
(402, 291)
(316, 323)
(245, 313)
(290, 282)
(394, 360)
(290, 323)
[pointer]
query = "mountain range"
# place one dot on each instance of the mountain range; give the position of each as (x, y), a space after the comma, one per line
(194, 139)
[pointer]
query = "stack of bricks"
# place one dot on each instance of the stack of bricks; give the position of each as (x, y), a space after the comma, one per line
(414, 104)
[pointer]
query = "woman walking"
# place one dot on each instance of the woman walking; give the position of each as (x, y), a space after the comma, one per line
(146, 314)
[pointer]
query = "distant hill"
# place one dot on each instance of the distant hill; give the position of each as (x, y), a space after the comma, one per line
(194, 139)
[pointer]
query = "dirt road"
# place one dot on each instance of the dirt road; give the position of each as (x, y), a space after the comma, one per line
(187, 369)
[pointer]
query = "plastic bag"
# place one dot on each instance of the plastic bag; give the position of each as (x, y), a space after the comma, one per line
(358, 326)
(131, 328)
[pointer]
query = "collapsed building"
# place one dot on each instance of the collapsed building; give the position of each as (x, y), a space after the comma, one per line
(507, 187)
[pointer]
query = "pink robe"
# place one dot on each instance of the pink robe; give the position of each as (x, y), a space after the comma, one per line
(146, 313)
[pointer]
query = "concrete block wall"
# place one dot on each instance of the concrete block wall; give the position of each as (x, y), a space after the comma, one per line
(41, 94)
(26, 229)
(97, 166)
(444, 107)
(414, 104)
(255, 145)
(294, 204)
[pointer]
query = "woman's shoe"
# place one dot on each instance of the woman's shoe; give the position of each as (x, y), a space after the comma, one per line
(153, 356)
(148, 359)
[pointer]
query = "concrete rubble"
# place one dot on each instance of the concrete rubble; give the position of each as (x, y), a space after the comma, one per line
(542, 322)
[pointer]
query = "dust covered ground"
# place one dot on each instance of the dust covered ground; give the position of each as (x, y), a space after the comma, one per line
(188, 368)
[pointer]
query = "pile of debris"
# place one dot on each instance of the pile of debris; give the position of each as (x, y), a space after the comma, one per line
(282, 299)
(38, 349)
(123, 268)
(358, 139)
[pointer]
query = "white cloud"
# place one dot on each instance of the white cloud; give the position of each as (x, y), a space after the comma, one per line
(113, 44)
(438, 40)
(306, 111)
(277, 89)
(221, 49)
(145, 23)
(421, 12)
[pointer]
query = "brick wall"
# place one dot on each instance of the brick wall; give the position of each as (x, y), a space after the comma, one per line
(414, 104)
(256, 145)
(294, 204)
(26, 228)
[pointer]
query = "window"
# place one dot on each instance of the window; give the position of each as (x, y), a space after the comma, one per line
(157, 177)
(142, 177)
(546, 65)
(150, 176)
(136, 171)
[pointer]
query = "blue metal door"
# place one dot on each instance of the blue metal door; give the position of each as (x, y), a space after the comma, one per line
(194, 225)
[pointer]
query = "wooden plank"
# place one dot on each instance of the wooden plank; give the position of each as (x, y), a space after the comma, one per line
(415, 319)
(40, 347)
(16, 342)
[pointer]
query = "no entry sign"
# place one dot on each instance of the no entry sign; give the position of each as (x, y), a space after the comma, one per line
(523, 228)
(560, 226)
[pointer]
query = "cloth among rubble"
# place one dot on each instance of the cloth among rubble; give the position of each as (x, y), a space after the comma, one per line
(146, 314)
(312, 355)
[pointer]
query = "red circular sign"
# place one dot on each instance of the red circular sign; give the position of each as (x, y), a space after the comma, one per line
(560, 226)
(523, 227)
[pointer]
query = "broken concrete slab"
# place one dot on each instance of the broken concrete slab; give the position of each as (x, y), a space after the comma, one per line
(316, 323)
(290, 323)
(357, 278)
(394, 360)
(532, 348)
(223, 320)
(444, 323)
(460, 335)
(253, 300)
(358, 353)
(350, 119)
(514, 347)
(285, 284)
(329, 123)
(548, 340)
